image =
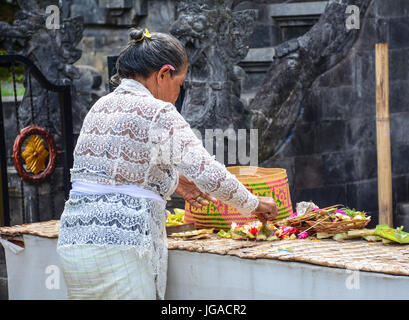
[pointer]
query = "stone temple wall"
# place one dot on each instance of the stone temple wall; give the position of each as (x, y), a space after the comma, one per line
(332, 157)
(107, 25)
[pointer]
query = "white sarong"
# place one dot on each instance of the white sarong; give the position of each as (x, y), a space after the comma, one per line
(106, 273)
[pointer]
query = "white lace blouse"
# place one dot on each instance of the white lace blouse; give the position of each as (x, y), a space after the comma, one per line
(131, 138)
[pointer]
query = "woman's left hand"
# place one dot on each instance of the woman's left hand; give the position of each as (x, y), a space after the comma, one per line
(191, 193)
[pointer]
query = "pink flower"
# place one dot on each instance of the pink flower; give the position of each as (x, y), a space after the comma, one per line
(293, 215)
(303, 235)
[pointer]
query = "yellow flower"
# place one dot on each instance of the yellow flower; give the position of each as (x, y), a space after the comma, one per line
(35, 154)
(147, 33)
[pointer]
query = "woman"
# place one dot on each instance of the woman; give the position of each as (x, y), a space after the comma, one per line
(134, 150)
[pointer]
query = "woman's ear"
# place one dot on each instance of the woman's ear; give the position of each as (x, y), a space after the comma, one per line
(163, 72)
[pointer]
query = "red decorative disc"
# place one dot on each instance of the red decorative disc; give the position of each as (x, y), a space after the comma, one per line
(17, 158)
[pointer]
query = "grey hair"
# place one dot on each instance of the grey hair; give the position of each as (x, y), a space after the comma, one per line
(141, 58)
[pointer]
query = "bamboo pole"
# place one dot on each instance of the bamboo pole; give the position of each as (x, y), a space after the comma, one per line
(383, 138)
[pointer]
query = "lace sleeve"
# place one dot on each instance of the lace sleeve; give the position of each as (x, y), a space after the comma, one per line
(176, 144)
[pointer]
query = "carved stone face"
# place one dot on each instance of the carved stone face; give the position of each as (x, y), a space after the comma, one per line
(191, 29)
(213, 29)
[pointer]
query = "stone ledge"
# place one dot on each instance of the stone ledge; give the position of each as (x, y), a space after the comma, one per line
(297, 9)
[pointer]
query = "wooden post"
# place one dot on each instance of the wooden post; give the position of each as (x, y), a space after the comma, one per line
(383, 137)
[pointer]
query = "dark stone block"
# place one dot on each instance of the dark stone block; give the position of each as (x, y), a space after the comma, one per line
(400, 159)
(399, 64)
(333, 165)
(344, 73)
(285, 163)
(275, 35)
(373, 30)
(261, 36)
(365, 68)
(329, 136)
(365, 106)
(310, 105)
(398, 33)
(361, 164)
(322, 196)
(398, 96)
(302, 141)
(365, 84)
(293, 32)
(400, 190)
(399, 128)
(392, 8)
(363, 195)
(338, 103)
(361, 133)
(308, 172)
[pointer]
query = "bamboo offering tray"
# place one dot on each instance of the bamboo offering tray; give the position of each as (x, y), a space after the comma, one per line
(47, 229)
(352, 254)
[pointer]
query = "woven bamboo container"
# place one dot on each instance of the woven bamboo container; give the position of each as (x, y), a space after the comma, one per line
(299, 222)
(266, 182)
(339, 226)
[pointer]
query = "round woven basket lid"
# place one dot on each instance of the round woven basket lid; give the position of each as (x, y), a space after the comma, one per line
(250, 173)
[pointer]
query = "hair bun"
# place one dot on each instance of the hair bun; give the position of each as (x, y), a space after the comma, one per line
(136, 34)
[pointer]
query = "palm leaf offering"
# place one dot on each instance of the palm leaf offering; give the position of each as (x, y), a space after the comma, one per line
(336, 222)
(193, 235)
(176, 218)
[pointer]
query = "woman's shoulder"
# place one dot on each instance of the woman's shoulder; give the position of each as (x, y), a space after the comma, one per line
(129, 103)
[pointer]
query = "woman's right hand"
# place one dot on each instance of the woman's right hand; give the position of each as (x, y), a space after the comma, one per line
(267, 209)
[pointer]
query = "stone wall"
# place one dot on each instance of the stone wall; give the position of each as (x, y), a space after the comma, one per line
(332, 154)
(332, 157)
(105, 35)
(106, 31)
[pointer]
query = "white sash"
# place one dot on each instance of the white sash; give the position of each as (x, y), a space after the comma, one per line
(86, 188)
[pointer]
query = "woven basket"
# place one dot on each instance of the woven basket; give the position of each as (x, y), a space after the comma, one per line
(339, 226)
(266, 182)
(300, 222)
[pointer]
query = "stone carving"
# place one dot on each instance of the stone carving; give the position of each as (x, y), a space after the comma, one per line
(296, 64)
(216, 40)
(54, 52)
(108, 12)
